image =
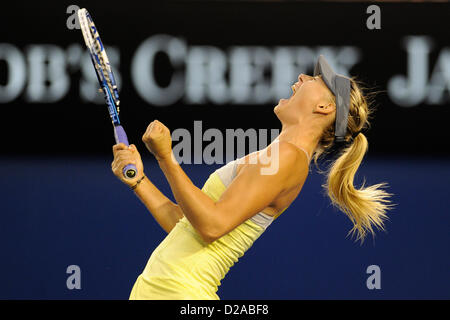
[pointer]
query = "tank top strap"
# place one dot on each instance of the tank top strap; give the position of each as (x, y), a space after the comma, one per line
(306, 153)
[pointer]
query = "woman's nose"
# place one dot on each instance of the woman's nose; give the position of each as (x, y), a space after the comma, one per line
(300, 79)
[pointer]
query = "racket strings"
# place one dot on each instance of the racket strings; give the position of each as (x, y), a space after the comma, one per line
(107, 74)
(101, 63)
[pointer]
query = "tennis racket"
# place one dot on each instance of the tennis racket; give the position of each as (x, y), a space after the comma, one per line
(106, 80)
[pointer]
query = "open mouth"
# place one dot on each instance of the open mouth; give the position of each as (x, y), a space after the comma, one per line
(294, 89)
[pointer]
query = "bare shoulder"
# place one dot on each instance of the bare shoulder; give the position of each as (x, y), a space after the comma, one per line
(281, 161)
(294, 167)
(287, 158)
(289, 154)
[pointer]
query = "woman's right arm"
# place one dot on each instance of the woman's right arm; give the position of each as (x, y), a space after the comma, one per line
(165, 212)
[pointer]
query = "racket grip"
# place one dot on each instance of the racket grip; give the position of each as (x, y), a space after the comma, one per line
(129, 171)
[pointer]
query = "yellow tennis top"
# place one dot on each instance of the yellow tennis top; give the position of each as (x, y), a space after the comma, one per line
(184, 267)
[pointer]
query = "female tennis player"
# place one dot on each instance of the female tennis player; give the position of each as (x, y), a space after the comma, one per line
(210, 229)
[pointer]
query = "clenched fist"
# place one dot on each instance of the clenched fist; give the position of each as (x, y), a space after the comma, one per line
(158, 141)
(123, 156)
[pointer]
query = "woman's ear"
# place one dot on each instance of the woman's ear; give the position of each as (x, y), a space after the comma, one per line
(325, 108)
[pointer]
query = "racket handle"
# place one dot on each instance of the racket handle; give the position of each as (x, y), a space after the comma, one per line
(129, 171)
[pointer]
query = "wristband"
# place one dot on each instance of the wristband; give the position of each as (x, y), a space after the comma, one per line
(137, 182)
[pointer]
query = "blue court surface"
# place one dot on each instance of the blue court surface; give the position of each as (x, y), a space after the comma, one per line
(59, 212)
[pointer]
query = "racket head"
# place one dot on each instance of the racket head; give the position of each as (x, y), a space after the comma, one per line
(100, 59)
(106, 79)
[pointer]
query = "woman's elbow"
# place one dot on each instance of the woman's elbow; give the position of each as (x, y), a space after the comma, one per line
(209, 235)
(208, 239)
(213, 229)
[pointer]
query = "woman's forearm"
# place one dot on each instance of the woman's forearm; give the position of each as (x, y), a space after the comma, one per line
(198, 208)
(165, 212)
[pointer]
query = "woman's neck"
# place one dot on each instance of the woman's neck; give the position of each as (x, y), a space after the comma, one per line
(303, 136)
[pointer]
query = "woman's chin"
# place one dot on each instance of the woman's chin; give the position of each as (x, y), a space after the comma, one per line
(280, 104)
(276, 110)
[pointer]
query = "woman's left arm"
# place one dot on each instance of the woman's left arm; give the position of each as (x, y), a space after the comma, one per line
(249, 193)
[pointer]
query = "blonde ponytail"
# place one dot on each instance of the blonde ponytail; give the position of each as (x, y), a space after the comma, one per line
(366, 206)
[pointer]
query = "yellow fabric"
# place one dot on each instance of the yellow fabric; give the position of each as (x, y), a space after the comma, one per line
(184, 267)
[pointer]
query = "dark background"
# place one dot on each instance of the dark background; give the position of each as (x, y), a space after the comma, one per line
(62, 206)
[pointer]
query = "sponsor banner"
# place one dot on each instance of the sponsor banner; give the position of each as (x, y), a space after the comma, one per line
(186, 62)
